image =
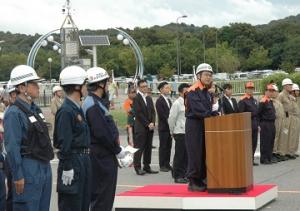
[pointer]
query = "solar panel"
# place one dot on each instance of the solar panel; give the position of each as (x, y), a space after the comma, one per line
(89, 40)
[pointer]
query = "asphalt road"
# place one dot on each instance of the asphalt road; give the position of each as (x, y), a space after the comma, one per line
(285, 174)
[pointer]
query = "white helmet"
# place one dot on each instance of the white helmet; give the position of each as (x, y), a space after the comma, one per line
(126, 161)
(287, 81)
(56, 88)
(21, 74)
(96, 74)
(10, 88)
(204, 67)
(72, 75)
(295, 87)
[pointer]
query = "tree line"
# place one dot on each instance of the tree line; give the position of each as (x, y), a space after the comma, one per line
(236, 47)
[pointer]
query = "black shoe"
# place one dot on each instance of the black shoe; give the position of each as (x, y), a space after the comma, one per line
(283, 158)
(140, 172)
(150, 171)
(195, 188)
(164, 169)
(265, 162)
(181, 180)
(274, 160)
(153, 147)
(291, 157)
(255, 164)
(296, 155)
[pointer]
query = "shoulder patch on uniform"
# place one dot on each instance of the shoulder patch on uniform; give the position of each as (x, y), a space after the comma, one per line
(197, 85)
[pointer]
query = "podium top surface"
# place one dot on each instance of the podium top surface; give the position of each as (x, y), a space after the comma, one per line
(229, 122)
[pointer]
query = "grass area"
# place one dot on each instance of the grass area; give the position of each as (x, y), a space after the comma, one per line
(120, 117)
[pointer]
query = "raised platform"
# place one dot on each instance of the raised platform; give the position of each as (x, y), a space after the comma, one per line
(176, 197)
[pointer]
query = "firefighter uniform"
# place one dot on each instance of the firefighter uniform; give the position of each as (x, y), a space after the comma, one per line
(198, 104)
(293, 141)
(249, 104)
(266, 116)
(279, 122)
(285, 98)
(72, 138)
(104, 148)
(20, 143)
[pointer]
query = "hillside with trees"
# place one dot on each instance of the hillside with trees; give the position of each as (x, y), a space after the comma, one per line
(238, 46)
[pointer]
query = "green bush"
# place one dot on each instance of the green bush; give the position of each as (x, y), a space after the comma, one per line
(277, 78)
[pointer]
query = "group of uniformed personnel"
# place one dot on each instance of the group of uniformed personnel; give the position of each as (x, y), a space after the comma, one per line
(85, 135)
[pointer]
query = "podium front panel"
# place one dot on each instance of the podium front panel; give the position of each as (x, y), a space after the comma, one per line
(228, 140)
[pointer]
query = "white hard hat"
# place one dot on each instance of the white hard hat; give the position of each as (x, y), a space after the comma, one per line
(126, 161)
(295, 87)
(21, 74)
(10, 88)
(204, 67)
(56, 88)
(72, 75)
(96, 74)
(287, 81)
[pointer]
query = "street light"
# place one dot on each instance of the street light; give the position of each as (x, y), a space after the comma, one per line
(178, 60)
(50, 61)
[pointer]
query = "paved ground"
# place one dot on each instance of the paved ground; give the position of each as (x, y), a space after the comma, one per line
(285, 174)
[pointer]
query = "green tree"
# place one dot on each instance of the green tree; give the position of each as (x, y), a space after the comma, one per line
(166, 71)
(258, 59)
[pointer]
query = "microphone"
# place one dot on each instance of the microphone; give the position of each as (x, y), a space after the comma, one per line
(219, 87)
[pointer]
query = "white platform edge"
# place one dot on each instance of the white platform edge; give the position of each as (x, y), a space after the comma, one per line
(196, 203)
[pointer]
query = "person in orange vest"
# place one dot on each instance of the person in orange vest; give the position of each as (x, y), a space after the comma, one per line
(248, 103)
(266, 116)
(127, 106)
(199, 104)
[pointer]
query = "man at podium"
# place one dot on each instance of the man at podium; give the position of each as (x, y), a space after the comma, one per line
(199, 104)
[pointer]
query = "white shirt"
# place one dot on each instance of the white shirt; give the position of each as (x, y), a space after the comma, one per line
(177, 117)
(143, 96)
(167, 100)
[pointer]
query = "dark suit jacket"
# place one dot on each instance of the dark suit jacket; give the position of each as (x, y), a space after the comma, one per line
(227, 108)
(144, 114)
(163, 111)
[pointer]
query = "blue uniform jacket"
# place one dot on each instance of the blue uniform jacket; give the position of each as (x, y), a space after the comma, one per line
(198, 103)
(15, 127)
(71, 132)
(104, 133)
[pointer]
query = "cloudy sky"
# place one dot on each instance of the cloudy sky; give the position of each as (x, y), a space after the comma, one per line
(41, 16)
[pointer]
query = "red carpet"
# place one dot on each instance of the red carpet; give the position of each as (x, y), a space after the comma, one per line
(181, 191)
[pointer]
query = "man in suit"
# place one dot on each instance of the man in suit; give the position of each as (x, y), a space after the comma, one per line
(163, 105)
(144, 126)
(228, 104)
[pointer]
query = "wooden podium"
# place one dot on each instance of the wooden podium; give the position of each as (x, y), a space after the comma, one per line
(229, 153)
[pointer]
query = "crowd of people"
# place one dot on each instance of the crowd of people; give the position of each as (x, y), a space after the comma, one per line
(87, 138)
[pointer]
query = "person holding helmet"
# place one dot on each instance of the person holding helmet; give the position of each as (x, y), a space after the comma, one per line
(293, 142)
(28, 144)
(57, 99)
(287, 101)
(266, 116)
(199, 105)
(248, 103)
(71, 137)
(104, 141)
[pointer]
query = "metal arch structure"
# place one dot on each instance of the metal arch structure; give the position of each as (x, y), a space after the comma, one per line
(139, 71)
(36, 46)
(136, 49)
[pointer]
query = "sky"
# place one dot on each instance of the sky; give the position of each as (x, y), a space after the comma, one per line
(42, 16)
